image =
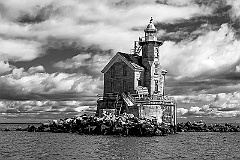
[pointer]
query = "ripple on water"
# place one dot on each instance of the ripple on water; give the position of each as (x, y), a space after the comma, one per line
(48, 146)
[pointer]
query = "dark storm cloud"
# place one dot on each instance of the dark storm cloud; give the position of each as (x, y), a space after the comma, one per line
(12, 110)
(204, 84)
(185, 29)
(40, 15)
(18, 96)
(228, 109)
(62, 49)
(89, 61)
(40, 116)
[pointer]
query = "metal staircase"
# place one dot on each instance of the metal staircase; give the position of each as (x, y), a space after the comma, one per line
(128, 99)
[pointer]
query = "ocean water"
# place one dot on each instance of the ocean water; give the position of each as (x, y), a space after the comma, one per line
(63, 146)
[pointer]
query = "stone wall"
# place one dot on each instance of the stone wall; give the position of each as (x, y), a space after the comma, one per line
(150, 111)
(133, 110)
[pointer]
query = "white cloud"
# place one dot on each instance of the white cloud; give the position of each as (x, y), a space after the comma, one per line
(17, 72)
(45, 109)
(37, 69)
(238, 68)
(224, 105)
(40, 84)
(195, 98)
(181, 111)
(215, 52)
(74, 62)
(89, 22)
(227, 100)
(4, 67)
(94, 63)
(18, 50)
(235, 8)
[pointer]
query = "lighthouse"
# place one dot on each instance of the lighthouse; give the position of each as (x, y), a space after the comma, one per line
(153, 74)
(135, 82)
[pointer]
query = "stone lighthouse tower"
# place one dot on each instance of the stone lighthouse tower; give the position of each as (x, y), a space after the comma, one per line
(134, 82)
(153, 73)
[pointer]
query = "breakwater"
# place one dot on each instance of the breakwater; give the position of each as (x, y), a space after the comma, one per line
(125, 125)
(203, 127)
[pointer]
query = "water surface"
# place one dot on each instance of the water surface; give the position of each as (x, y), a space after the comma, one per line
(48, 146)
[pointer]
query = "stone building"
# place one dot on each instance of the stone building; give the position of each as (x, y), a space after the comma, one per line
(134, 82)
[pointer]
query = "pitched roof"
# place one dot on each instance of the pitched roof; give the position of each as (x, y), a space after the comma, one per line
(134, 61)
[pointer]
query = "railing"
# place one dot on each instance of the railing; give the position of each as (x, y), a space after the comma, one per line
(155, 98)
(139, 98)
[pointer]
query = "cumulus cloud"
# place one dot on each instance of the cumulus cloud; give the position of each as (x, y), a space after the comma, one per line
(39, 110)
(89, 63)
(223, 105)
(18, 50)
(235, 8)
(4, 67)
(88, 22)
(37, 69)
(238, 68)
(73, 63)
(195, 98)
(210, 54)
(49, 86)
(17, 72)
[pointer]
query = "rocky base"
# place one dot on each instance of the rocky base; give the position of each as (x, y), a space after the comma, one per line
(202, 127)
(125, 125)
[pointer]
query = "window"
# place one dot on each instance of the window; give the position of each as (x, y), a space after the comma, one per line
(139, 82)
(124, 85)
(112, 71)
(156, 69)
(112, 87)
(156, 85)
(124, 70)
(156, 52)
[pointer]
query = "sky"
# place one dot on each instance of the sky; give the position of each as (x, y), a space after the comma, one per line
(52, 53)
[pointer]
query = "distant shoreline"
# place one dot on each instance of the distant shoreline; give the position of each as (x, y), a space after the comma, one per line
(22, 123)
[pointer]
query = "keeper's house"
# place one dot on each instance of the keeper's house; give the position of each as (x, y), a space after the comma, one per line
(134, 83)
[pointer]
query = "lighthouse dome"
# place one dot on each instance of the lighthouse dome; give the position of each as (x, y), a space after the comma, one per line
(150, 27)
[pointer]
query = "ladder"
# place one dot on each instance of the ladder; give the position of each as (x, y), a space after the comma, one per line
(118, 108)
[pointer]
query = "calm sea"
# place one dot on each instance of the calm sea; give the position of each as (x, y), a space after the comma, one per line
(63, 146)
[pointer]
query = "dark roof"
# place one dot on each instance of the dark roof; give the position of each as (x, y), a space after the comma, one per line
(134, 59)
